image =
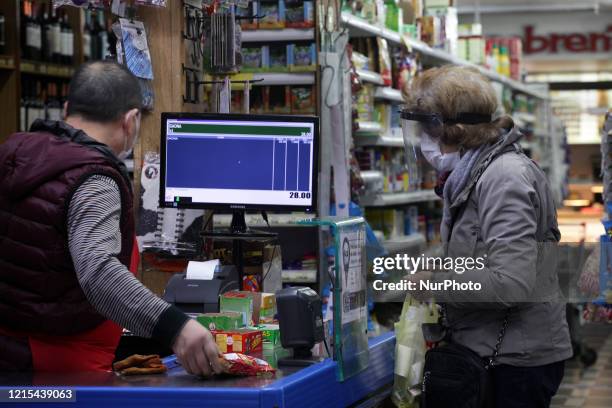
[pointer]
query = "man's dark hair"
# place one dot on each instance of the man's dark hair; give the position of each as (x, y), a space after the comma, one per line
(103, 91)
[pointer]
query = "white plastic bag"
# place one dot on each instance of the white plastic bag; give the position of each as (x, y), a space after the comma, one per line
(410, 351)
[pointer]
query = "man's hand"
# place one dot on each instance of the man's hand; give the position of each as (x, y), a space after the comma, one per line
(196, 350)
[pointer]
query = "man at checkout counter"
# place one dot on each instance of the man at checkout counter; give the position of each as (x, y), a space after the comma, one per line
(67, 239)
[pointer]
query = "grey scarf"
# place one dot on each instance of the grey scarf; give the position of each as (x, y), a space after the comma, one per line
(459, 178)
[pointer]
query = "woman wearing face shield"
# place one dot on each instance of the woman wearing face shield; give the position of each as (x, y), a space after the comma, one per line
(497, 208)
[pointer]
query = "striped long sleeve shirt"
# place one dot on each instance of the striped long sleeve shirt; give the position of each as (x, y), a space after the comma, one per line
(94, 240)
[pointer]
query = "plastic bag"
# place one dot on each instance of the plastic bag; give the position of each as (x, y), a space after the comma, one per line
(410, 351)
(242, 365)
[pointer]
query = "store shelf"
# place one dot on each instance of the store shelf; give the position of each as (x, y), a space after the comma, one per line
(371, 77)
(389, 94)
(359, 27)
(287, 34)
(368, 128)
(391, 199)
(41, 68)
(525, 117)
(378, 140)
(299, 275)
(256, 221)
(7, 62)
(404, 244)
(288, 78)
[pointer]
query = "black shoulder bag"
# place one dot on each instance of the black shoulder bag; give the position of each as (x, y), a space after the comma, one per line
(456, 377)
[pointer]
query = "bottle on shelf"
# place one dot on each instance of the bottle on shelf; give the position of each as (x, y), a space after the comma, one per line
(33, 32)
(67, 41)
(45, 34)
(2, 34)
(23, 24)
(86, 37)
(54, 38)
(103, 37)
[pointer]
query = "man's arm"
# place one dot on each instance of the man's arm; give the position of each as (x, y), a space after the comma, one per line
(94, 239)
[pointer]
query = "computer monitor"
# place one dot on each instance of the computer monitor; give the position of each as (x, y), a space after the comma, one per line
(239, 162)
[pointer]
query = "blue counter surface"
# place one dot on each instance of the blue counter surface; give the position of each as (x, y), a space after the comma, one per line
(314, 386)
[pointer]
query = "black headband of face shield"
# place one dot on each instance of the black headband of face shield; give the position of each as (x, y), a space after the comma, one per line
(436, 118)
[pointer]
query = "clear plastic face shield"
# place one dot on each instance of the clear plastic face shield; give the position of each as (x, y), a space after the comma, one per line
(415, 126)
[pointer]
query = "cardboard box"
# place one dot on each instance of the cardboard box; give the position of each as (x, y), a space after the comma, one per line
(244, 341)
(221, 321)
(268, 300)
(270, 333)
(241, 302)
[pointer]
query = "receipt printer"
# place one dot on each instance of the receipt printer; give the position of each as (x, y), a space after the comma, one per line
(201, 296)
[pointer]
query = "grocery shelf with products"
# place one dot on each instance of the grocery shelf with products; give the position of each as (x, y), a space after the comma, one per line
(385, 53)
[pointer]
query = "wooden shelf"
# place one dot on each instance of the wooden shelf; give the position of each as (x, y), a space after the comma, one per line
(46, 69)
(7, 62)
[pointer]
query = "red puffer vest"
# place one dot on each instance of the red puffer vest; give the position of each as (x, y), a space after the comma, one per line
(41, 301)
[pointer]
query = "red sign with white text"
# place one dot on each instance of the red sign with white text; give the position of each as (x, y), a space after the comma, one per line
(553, 43)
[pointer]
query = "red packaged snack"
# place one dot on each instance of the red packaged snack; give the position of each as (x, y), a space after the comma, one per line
(243, 365)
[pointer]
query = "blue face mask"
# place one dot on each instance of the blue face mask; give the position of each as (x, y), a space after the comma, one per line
(442, 162)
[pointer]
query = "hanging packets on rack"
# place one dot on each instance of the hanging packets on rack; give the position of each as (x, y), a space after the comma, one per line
(135, 48)
(133, 51)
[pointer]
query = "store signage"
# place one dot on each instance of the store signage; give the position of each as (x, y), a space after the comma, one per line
(553, 43)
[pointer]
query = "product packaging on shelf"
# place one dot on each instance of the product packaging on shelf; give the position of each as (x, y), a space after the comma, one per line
(277, 99)
(251, 283)
(239, 340)
(249, 11)
(302, 57)
(299, 14)
(277, 60)
(221, 321)
(302, 99)
(273, 13)
(255, 58)
(384, 61)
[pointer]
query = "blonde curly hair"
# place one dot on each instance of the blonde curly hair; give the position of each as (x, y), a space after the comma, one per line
(450, 90)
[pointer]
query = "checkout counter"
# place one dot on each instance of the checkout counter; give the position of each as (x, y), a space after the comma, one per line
(291, 387)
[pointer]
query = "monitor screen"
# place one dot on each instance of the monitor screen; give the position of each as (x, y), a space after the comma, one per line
(236, 161)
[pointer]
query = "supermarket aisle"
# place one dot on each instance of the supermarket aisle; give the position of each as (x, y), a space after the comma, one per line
(591, 387)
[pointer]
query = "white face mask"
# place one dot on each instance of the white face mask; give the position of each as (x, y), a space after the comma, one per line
(127, 150)
(443, 162)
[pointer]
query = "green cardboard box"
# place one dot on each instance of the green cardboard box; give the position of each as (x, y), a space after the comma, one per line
(238, 301)
(270, 332)
(221, 321)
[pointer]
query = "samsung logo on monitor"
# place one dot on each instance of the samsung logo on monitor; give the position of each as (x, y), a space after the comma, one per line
(237, 206)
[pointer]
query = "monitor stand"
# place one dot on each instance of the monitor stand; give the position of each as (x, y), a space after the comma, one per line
(237, 233)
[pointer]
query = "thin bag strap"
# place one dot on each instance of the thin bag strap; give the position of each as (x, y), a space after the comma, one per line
(500, 338)
(492, 361)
